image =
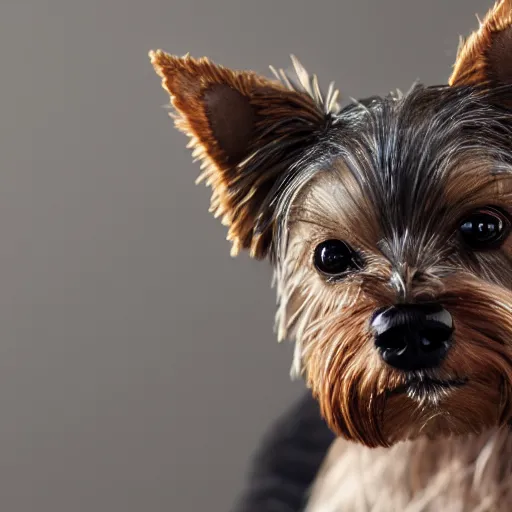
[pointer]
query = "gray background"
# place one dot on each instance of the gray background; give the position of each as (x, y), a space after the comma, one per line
(138, 366)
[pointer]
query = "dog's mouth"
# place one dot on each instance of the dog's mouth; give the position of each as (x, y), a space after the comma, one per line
(428, 388)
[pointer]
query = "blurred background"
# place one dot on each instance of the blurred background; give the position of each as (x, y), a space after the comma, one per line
(138, 363)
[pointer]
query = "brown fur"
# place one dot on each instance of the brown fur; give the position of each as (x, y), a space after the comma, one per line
(482, 58)
(261, 103)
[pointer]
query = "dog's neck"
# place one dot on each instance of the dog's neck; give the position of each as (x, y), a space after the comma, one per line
(463, 474)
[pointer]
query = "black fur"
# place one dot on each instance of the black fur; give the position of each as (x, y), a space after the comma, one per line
(288, 460)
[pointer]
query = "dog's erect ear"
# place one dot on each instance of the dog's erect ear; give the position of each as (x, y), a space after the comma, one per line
(485, 58)
(248, 131)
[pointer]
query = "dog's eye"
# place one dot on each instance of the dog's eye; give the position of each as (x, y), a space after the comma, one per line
(484, 228)
(334, 257)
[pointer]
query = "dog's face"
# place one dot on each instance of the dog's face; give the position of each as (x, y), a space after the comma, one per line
(396, 277)
(388, 223)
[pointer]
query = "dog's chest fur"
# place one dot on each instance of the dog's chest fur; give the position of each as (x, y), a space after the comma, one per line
(467, 474)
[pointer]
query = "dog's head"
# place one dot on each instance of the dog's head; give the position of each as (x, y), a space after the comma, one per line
(387, 222)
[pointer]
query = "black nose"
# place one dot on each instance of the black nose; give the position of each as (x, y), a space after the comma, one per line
(413, 337)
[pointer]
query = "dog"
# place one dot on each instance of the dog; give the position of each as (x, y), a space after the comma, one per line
(387, 222)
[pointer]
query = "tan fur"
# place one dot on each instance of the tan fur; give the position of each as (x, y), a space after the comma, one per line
(459, 474)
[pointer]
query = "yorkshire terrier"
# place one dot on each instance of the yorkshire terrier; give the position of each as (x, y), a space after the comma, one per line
(388, 224)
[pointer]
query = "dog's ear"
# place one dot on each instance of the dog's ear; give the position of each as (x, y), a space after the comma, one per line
(248, 131)
(485, 58)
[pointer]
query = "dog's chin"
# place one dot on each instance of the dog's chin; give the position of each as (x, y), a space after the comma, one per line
(442, 407)
(426, 404)
(427, 390)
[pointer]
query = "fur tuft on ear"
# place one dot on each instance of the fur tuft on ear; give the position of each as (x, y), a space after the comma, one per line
(247, 131)
(485, 58)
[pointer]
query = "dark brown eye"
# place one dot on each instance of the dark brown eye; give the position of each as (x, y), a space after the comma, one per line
(484, 229)
(335, 258)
